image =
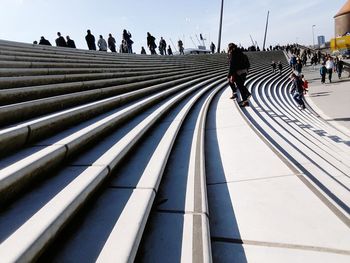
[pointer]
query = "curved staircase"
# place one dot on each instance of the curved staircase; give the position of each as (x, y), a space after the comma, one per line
(107, 157)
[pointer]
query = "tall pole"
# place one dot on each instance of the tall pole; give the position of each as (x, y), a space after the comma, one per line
(220, 26)
(313, 36)
(267, 22)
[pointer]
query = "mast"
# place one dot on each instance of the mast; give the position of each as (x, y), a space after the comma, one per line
(267, 22)
(220, 26)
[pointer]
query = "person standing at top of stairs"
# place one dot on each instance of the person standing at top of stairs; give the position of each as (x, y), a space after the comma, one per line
(111, 43)
(44, 41)
(90, 40)
(102, 44)
(60, 41)
(127, 37)
(70, 42)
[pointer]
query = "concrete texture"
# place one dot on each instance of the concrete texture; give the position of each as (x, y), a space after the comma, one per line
(277, 178)
(330, 100)
(255, 197)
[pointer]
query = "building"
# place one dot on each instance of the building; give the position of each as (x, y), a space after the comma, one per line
(321, 40)
(342, 20)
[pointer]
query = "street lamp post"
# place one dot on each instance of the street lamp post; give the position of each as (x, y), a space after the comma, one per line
(313, 36)
(220, 26)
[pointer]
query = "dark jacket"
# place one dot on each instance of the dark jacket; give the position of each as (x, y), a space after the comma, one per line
(70, 43)
(151, 41)
(44, 42)
(127, 37)
(90, 40)
(340, 65)
(111, 42)
(236, 62)
(323, 70)
(60, 42)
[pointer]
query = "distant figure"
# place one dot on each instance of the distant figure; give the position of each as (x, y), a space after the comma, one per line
(60, 42)
(273, 65)
(143, 51)
(44, 41)
(127, 37)
(102, 44)
(280, 67)
(212, 47)
(314, 59)
(299, 66)
(111, 43)
(323, 72)
(123, 47)
(330, 68)
(293, 61)
(170, 52)
(35, 42)
(162, 46)
(70, 42)
(339, 66)
(181, 47)
(90, 40)
(151, 43)
(297, 91)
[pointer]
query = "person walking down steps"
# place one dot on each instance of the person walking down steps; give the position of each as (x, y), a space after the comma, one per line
(297, 91)
(90, 40)
(238, 71)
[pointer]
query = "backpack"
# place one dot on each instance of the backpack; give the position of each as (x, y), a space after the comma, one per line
(244, 63)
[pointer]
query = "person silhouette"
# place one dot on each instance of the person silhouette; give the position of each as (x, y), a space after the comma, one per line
(151, 43)
(143, 51)
(170, 52)
(127, 37)
(44, 41)
(181, 47)
(60, 42)
(162, 46)
(212, 47)
(111, 43)
(90, 40)
(70, 42)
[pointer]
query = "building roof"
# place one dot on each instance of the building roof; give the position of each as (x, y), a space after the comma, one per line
(344, 10)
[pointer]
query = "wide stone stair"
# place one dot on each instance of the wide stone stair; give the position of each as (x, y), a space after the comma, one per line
(103, 156)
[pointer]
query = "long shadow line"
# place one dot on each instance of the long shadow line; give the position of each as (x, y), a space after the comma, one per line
(269, 140)
(214, 167)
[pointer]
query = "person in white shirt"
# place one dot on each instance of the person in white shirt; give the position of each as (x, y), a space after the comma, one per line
(330, 68)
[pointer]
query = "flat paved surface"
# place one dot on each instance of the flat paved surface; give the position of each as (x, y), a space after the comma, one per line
(330, 100)
(259, 214)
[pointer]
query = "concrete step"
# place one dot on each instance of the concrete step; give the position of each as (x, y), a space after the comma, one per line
(108, 150)
(46, 85)
(109, 161)
(77, 93)
(322, 161)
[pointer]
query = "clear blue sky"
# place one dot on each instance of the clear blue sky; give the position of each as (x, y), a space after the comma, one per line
(290, 20)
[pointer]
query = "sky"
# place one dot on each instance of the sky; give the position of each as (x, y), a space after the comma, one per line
(290, 21)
